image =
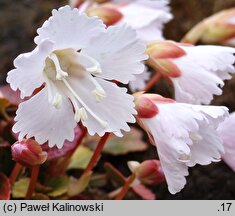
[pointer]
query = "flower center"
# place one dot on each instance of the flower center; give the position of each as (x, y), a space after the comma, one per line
(59, 67)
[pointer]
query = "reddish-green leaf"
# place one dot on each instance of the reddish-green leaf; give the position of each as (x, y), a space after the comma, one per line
(130, 142)
(77, 186)
(59, 184)
(80, 158)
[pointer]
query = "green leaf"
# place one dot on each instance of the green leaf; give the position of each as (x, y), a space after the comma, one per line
(59, 184)
(43, 188)
(130, 142)
(20, 188)
(77, 186)
(80, 158)
(98, 180)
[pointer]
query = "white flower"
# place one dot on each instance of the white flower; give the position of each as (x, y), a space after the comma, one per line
(140, 81)
(185, 135)
(197, 72)
(146, 16)
(73, 57)
(227, 132)
(203, 70)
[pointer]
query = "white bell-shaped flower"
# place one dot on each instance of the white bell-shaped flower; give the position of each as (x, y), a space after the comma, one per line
(74, 58)
(184, 134)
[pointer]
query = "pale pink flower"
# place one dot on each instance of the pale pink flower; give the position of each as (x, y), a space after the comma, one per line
(74, 58)
(227, 132)
(184, 134)
(197, 72)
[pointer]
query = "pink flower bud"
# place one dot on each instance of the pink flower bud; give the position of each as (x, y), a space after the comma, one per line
(160, 55)
(148, 172)
(28, 153)
(108, 15)
(165, 49)
(144, 106)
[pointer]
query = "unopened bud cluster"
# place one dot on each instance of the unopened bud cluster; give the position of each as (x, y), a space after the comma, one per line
(28, 153)
(148, 172)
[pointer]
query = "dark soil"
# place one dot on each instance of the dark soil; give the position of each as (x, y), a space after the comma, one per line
(18, 23)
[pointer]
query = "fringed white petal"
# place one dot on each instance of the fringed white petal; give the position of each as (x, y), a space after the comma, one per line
(116, 108)
(119, 53)
(215, 59)
(185, 139)
(142, 13)
(140, 81)
(28, 74)
(68, 28)
(227, 132)
(203, 70)
(38, 118)
(152, 33)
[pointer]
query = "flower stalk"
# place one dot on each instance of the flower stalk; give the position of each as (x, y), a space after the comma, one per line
(15, 172)
(33, 182)
(156, 77)
(126, 187)
(97, 153)
(64, 163)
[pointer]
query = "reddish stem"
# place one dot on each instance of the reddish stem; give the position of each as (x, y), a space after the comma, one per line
(126, 187)
(154, 79)
(97, 153)
(33, 181)
(15, 172)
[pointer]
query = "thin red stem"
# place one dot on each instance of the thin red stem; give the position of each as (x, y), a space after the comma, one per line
(97, 153)
(33, 181)
(154, 79)
(15, 172)
(126, 187)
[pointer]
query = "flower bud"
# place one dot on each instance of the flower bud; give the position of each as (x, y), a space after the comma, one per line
(160, 55)
(28, 153)
(220, 27)
(108, 15)
(216, 29)
(144, 106)
(165, 49)
(148, 172)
